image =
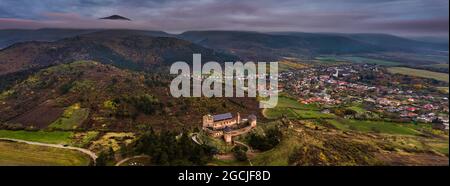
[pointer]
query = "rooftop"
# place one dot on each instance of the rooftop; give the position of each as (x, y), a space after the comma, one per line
(221, 117)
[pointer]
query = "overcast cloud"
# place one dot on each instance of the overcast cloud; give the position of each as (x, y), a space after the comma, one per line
(400, 17)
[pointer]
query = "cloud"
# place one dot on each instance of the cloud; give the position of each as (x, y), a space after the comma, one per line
(411, 17)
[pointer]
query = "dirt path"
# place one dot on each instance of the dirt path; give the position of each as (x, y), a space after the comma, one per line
(129, 158)
(195, 138)
(85, 151)
(249, 152)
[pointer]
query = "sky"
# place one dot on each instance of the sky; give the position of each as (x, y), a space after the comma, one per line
(399, 17)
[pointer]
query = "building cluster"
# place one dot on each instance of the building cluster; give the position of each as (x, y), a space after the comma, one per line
(344, 85)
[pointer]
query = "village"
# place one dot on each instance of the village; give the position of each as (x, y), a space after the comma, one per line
(371, 86)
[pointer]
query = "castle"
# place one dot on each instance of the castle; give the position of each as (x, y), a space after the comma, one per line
(227, 126)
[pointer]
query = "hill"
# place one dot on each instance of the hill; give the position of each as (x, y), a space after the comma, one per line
(273, 46)
(116, 17)
(386, 42)
(89, 95)
(269, 46)
(123, 48)
(254, 45)
(13, 36)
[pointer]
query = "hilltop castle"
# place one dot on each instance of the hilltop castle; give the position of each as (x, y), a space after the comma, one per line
(227, 126)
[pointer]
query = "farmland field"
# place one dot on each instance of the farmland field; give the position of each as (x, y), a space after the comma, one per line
(20, 154)
(330, 60)
(72, 117)
(292, 109)
(285, 65)
(287, 102)
(55, 137)
(370, 61)
(376, 126)
(354, 59)
(419, 73)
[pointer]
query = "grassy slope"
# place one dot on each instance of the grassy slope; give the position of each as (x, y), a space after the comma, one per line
(420, 73)
(279, 155)
(56, 137)
(376, 126)
(72, 117)
(291, 108)
(20, 154)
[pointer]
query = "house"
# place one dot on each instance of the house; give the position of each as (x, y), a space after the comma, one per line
(429, 107)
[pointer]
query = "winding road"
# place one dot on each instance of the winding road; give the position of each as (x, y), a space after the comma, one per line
(249, 150)
(85, 151)
(129, 158)
(195, 138)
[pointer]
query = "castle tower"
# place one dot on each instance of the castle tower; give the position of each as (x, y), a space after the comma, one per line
(238, 118)
(208, 120)
(227, 138)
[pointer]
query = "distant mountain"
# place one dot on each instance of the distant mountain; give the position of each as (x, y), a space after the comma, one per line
(389, 43)
(12, 36)
(431, 39)
(262, 46)
(122, 48)
(116, 17)
(395, 43)
(254, 45)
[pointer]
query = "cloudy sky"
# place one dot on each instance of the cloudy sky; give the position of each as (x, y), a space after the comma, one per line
(400, 17)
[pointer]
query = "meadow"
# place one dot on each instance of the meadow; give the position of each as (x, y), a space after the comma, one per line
(420, 73)
(54, 137)
(354, 59)
(377, 126)
(292, 109)
(72, 117)
(21, 154)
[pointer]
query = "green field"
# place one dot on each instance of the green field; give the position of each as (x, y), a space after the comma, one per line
(72, 117)
(370, 61)
(275, 113)
(310, 114)
(21, 154)
(357, 108)
(55, 137)
(287, 102)
(355, 59)
(292, 109)
(330, 60)
(377, 126)
(419, 73)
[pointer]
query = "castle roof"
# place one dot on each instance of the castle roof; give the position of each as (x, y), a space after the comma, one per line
(221, 117)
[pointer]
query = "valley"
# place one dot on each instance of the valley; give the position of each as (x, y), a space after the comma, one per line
(344, 100)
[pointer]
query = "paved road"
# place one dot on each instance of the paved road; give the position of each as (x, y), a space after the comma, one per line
(126, 159)
(85, 151)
